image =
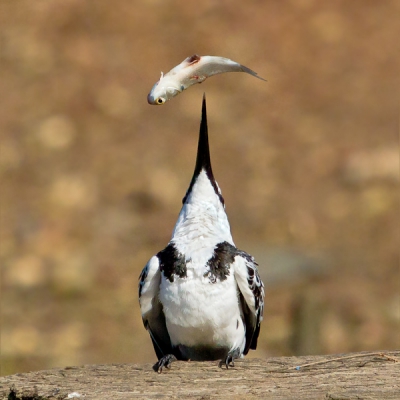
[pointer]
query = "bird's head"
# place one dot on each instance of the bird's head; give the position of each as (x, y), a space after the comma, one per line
(203, 212)
(203, 183)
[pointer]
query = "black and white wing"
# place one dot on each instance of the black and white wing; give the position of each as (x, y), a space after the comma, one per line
(251, 296)
(151, 308)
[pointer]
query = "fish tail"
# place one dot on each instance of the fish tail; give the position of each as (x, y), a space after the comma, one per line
(251, 72)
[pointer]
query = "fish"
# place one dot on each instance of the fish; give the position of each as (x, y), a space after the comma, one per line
(194, 69)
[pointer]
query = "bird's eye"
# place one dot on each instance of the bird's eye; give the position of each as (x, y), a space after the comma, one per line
(160, 100)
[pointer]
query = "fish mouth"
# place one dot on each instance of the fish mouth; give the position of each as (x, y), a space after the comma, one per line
(157, 101)
(151, 99)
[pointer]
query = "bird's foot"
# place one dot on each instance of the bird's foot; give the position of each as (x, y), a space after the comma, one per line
(165, 361)
(228, 361)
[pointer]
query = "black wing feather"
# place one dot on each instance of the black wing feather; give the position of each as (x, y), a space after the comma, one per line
(251, 319)
(154, 318)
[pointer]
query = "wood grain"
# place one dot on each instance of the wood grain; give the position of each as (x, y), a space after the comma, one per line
(366, 375)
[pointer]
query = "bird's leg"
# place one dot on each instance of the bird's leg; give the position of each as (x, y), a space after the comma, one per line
(165, 361)
(228, 361)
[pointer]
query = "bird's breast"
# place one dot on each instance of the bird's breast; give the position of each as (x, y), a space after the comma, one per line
(199, 311)
(195, 300)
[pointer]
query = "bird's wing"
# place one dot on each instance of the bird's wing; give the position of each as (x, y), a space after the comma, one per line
(251, 296)
(151, 308)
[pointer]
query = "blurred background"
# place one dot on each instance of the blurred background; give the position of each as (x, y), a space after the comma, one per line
(92, 176)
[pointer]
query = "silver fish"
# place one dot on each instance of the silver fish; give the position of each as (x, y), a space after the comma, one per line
(194, 69)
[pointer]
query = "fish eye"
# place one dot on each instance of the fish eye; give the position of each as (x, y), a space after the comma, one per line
(160, 100)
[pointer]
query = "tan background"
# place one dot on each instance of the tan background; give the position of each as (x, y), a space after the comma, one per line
(92, 176)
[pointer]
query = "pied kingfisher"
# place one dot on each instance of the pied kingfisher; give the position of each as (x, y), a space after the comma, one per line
(201, 298)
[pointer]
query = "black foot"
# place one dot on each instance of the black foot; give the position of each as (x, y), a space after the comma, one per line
(164, 362)
(230, 358)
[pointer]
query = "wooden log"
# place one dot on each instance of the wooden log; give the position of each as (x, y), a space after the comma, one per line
(365, 375)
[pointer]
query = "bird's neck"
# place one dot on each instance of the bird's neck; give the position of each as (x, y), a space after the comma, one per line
(202, 221)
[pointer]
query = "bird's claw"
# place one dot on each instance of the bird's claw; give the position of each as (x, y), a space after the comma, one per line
(228, 361)
(165, 361)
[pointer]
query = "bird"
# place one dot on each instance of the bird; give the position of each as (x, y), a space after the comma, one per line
(201, 298)
(194, 69)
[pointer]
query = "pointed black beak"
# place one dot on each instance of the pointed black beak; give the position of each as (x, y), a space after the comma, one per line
(203, 160)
